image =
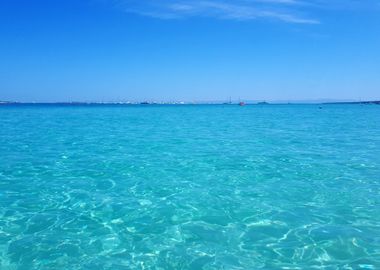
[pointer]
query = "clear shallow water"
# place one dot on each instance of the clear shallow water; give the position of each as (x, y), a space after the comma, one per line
(190, 187)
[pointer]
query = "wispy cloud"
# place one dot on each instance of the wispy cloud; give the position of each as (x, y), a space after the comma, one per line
(289, 11)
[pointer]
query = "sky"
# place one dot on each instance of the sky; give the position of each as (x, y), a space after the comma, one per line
(189, 50)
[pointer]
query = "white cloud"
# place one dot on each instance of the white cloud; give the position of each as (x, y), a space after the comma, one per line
(289, 11)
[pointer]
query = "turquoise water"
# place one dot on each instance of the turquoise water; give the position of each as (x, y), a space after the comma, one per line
(190, 187)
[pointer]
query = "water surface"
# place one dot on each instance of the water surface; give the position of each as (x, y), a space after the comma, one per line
(190, 187)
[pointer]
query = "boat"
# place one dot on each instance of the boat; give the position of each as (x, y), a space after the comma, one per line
(228, 103)
(241, 103)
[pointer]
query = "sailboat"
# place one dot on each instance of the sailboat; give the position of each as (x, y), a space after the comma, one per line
(228, 103)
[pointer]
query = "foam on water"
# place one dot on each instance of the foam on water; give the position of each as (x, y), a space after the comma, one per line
(190, 187)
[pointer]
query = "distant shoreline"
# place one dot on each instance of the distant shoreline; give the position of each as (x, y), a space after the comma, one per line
(356, 102)
(5, 103)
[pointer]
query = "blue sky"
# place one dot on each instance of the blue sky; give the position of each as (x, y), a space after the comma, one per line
(119, 50)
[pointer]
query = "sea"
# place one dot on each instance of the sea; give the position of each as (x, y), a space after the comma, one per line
(189, 187)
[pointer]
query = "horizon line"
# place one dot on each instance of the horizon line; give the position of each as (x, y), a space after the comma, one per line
(212, 102)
